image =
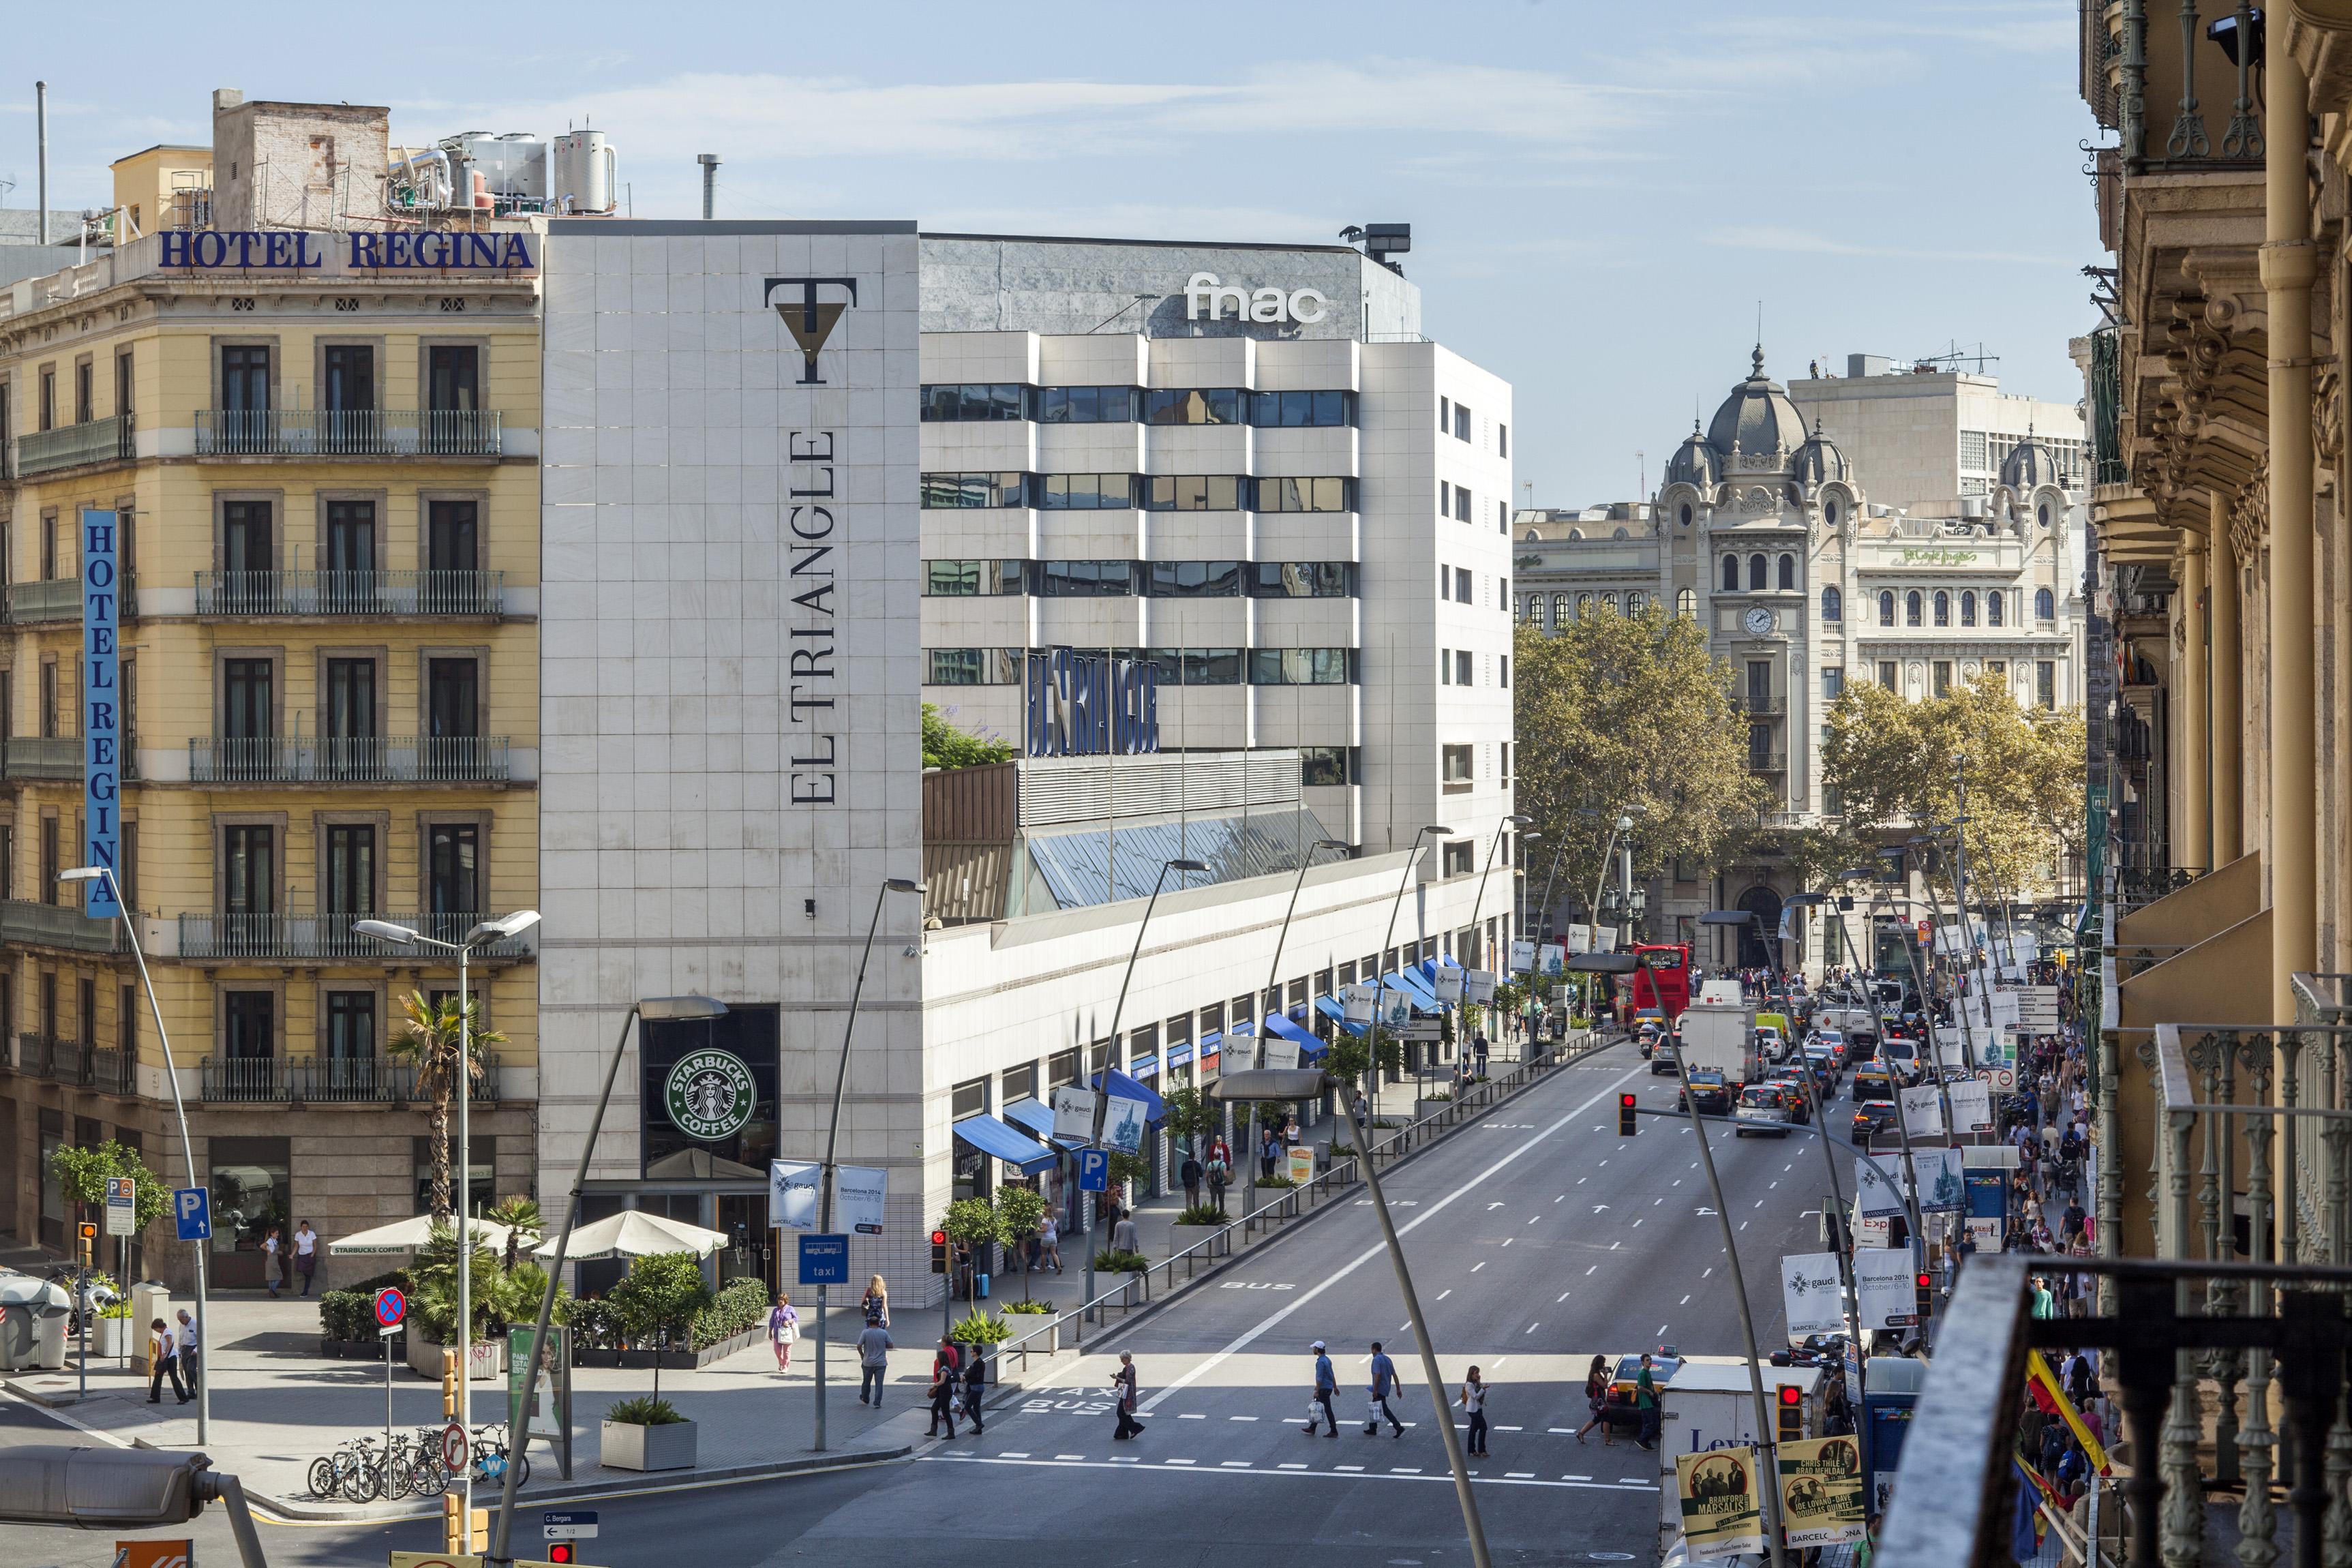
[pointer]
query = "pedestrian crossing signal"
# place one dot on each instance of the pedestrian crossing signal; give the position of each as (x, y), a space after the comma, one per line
(1926, 1284)
(939, 1252)
(1626, 1124)
(561, 1551)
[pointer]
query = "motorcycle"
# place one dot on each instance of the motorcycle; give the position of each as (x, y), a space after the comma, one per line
(91, 1295)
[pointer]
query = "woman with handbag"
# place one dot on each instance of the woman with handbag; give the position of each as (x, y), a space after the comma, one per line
(783, 1330)
(1596, 1400)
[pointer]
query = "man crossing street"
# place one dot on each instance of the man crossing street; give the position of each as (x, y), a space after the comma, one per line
(1327, 1384)
(1384, 1382)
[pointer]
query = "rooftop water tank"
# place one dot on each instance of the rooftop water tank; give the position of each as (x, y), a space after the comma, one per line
(515, 163)
(582, 173)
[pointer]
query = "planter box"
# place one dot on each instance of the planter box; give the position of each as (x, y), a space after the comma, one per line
(1026, 1323)
(425, 1357)
(109, 1336)
(592, 1357)
(720, 1350)
(1132, 1296)
(365, 1350)
(626, 1446)
(1424, 1108)
(1181, 1236)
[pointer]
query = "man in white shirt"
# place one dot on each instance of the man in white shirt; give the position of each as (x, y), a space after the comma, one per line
(306, 1254)
(186, 1338)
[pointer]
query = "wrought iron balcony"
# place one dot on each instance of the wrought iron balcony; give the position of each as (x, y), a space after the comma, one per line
(103, 1068)
(253, 596)
(58, 925)
(43, 757)
(267, 938)
(51, 599)
(70, 446)
(323, 1080)
(1767, 762)
(347, 433)
(363, 759)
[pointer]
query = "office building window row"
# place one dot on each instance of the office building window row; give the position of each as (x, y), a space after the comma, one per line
(1177, 666)
(1944, 607)
(987, 402)
(1150, 579)
(1147, 492)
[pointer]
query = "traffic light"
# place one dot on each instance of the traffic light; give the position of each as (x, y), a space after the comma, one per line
(448, 1384)
(1926, 1283)
(1627, 1123)
(939, 1252)
(88, 1241)
(560, 1552)
(1792, 1413)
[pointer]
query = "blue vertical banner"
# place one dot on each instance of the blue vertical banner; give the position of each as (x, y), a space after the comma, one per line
(101, 710)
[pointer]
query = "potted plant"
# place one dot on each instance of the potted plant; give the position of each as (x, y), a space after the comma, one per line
(973, 1224)
(1196, 1224)
(1032, 1313)
(1109, 1260)
(658, 1299)
(111, 1335)
(646, 1434)
(1019, 1212)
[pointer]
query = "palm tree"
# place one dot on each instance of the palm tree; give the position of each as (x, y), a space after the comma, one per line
(429, 1044)
(521, 1216)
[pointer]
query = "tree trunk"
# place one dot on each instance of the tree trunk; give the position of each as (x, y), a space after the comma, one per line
(439, 1136)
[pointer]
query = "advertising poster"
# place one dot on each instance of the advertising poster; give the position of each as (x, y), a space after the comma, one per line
(1449, 984)
(1879, 1197)
(1396, 1009)
(1809, 1294)
(1723, 1515)
(1822, 1492)
(1923, 1110)
(1554, 958)
(1971, 1105)
(859, 1193)
(1523, 957)
(792, 1193)
(1943, 1184)
(1074, 1113)
(1123, 1121)
(1478, 987)
(1302, 1166)
(1882, 1280)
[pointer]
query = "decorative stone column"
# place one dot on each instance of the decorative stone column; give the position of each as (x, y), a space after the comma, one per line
(2226, 693)
(2193, 846)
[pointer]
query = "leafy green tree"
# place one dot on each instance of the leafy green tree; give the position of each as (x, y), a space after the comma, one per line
(946, 746)
(1190, 1115)
(658, 1298)
(82, 1172)
(429, 1043)
(1019, 1212)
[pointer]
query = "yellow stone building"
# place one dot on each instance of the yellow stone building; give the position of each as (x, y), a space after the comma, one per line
(317, 415)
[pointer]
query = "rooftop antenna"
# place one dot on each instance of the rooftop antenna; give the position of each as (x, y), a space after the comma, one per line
(41, 126)
(1641, 462)
(710, 162)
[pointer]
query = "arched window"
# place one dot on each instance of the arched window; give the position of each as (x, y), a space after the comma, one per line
(1558, 611)
(1731, 573)
(1911, 605)
(1832, 604)
(1583, 605)
(1943, 608)
(1968, 609)
(2045, 606)
(1687, 603)
(1995, 606)
(1786, 574)
(1634, 602)
(1886, 607)
(1686, 514)
(1609, 602)
(1756, 570)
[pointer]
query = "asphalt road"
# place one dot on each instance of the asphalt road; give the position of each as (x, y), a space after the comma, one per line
(1537, 1238)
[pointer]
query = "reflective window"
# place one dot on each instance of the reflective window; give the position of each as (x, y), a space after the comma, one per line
(1559, 609)
(1192, 493)
(1089, 405)
(1686, 602)
(976, 400)
(1995, 607)
(1085, 492)
(1299, 666)
(1083, 579)
(1195, 406)
(1210, 666)
(1316, 580)
(1306, 495)
(950, 493)
(1301, 410)
(1324, 765)
(1787, 573)
(1195, 579)
(1832, 604)
(2045, 606)
(972, 665)
(1634, 601)
(968, 579)
(1943, 608)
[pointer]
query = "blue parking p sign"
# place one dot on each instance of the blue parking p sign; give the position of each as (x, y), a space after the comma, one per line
(192, 1206)
(825, 1260)
(1094, 1169)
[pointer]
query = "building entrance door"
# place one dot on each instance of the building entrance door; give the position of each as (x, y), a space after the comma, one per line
(751, 1250)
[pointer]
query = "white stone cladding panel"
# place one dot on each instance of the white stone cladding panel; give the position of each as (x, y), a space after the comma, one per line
(1105, 359)
(979, 534)
(1196, 623)
(979, 446)
(1089, 448)
(1307, 623)
(1320, 364)
(1196, 536)
(989, 621)
(1287, 452)
(1307, 536)
(1089, 536)
(1187, 363)
(962, 357)
(1091, 623)
(1197, 450)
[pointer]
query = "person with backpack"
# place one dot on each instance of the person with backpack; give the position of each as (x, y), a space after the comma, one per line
(1384, 1382)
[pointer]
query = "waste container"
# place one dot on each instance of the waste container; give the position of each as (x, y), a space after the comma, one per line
(33, 1314)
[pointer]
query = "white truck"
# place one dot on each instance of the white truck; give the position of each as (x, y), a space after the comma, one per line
(1722, 1038)
(1708, 1405)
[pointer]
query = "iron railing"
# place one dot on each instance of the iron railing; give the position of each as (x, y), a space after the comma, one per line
(107, 1068)
(254, 594)
(273, 936)
(323, 1079)
(47, 599)
(42, 757)
(91, 441)
(58, 925)
(347, 431)
(347, 759)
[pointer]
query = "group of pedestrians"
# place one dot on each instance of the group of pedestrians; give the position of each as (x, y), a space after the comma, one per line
(1384, 1385)
(172, 1352)
(1611, 1408)
(281, 1261)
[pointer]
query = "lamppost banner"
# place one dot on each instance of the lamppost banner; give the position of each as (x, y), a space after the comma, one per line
(1074, 1113)
(101, 710)
(1809, 1294)
(1821, 1491)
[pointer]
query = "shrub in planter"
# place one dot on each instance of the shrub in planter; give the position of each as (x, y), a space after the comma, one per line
(1279, 1180)
(648, 1434)
(340, 1313)
(741, 1306)
(982, 1329)
(1203, 1214)
(595, 1325)
(645, 1410)
(659, 1297)
(1108, 1261)
(1029, 1309)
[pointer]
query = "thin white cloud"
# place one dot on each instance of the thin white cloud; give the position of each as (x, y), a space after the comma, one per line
(1764, 237)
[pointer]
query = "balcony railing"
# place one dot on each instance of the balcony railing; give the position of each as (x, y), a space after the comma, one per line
(363, 759)
(68, 445)
(352, 1080)
(51, 599)
(103, 1068)
(43, 757)
(272, 937)
(58, 925)
(253, 595)
(1767, 762)
(347, 433)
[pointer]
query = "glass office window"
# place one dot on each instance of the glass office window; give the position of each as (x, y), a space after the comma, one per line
(949, 492)
(1195, 579)
(1084, 579)
(1085, 492)
(1305, 494)
(977, 400)
(1192, 493)
(1302, 410)
(1303, 579)
(1211, 665)
(972, 665)
(1089, 405)
(1299, 666)
(969, 579)
(1195, 406)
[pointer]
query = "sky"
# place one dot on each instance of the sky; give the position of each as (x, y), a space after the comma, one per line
(1602, 197)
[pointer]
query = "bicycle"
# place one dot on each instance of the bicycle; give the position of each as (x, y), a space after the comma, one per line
(491, 1457)
(354, 1470)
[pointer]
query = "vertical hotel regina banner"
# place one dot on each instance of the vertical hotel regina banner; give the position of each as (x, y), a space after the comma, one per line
(101, 710)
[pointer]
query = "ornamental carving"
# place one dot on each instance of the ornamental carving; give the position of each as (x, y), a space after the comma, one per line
(2327, 414)
(2250, 515)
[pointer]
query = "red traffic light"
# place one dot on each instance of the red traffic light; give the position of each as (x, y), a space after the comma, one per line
(1792, 1395)
(561, 1551)
(1925, 1282)
(1626, 1124)
(939, 1238)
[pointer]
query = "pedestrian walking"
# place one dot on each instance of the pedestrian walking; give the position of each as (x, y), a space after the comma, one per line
(1596, 1400)
(876, 1302)
(1124, 1236)
(1384, 1379)
(1473, 1400)
(1190, 1174)
(186, 1337)
(1049, 1243)
(975, 1387)
(783, 1330)
(1645, 1405)
(874, 1347)
(1268, 1152)
(306, 1254)
(1326, 1384)
(1221, 1174)
(163, 1357)
(1127, 1396)
(271, 1247)
(944, 1367)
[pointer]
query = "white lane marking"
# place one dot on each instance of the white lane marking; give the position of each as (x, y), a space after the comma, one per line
(1066, 1457)
(1615, 1244)
(1576, 1478)
(1401, 1472)
(1591, 1271)
(1533, 1327)
(1231, 1464)
(1684, 1302)
(1556, 1200)
(1493, 1206)
(1290, 1467)
(1563, 1296)
(1253, 1418)
(1582, 1180)
(1347, 1466)
(1011, 1455)
(1662, 1329)
(1564, 1431)
(1705, 1271)
(1508, 1475)
(1121, 1459)
(1506, 1241)
(1170, 1461)
(1638, 1222)
(1444, 1293)
(1478, 1266)
(1250, 1336)
(1188, 1415)
(1510, 1429)
(1531, 1220)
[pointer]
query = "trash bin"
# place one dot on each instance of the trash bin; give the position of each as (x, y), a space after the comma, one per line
(33, 1314)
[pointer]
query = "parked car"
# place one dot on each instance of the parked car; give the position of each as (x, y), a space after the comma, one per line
(1763, 1108)
(1710, 1091)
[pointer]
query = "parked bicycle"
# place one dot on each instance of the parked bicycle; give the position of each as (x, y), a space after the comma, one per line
(491, 1457)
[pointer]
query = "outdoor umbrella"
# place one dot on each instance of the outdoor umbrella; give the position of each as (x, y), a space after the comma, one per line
(633, 1233)
(408, 1234)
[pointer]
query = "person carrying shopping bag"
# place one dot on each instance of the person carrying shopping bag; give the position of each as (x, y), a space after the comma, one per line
(783, 1330)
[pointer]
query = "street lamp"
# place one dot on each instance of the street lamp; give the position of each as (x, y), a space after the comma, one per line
(1279, 1084)
(105, 876)
(655, 1009)
(1767, 1481)
(483, 934)
(1273, 977)
(1380, 963)
(833, 1138)
(1478, 901)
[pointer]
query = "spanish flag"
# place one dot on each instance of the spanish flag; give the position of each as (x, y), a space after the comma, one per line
(2046, 1393)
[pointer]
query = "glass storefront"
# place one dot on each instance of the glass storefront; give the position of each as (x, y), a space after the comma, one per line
(250, 1193)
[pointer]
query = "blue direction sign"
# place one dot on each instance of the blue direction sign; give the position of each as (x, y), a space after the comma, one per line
(825, 1260)
(579, 1524)
(1094, 1169)
(193, 1208)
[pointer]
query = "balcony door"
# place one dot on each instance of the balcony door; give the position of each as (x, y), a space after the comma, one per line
(453, 877)
(453, 745)
(248, 885)
(452, 559)
(347, 421)
(242, 421)
(350, 1070)
(347, 891)
(452, 389)
(248, 1069)
(352, 747)
(247, 743)
(248, 557)
(349, 585)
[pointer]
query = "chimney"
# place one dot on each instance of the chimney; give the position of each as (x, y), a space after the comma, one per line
(226, 99)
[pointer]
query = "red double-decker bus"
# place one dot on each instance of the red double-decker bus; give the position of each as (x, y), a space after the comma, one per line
(1672, 992)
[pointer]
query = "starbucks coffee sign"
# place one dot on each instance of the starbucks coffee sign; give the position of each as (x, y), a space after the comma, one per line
(709, 1095)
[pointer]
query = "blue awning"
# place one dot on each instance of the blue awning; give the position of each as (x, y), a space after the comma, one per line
(991, 1137)
(1424, 999)
(1126, 1088)
(1179, 1054)
(1333, 1009)
(1144, 1067)
(1281, 1023)
(1031, 1115)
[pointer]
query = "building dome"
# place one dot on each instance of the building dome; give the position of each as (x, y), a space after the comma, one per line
(1757, 417)
(2030, 463)
(1817, 461)
(1693, 462)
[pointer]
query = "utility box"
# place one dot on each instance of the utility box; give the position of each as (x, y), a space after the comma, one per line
(150, 1301)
